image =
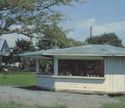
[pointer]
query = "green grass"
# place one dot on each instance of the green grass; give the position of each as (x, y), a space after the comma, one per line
(18, 79)
(121, 98)
(114, 105)
(15, 105)
(119, 104)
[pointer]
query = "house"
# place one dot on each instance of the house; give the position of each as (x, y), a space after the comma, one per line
(4, 49)
(87, 69)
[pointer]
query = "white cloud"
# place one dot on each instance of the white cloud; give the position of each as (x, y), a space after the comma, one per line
(86, 23)
(101, 28)
(116, 27)
(82, 29)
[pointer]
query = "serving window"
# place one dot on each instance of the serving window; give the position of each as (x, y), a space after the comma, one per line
(90, 68)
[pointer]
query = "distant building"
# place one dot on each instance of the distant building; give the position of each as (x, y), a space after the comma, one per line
(4, 49)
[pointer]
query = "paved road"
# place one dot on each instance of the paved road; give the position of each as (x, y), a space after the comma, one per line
(47, 98)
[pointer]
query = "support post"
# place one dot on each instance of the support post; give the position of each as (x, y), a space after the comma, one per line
(37, 66)
(0, 61)
(55, 66)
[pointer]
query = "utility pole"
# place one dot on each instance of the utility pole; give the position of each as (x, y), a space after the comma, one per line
(90, 31)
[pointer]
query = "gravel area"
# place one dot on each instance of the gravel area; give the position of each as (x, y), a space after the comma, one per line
(46, 98)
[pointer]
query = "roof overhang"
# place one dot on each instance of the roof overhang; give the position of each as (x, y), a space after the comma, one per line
(34, 55)
(37, 57)
(85, 55)
(82, 51)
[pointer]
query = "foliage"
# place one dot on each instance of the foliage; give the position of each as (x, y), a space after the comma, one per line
(36, 18)
(29, 14)
(23, 46)
(107, 38)
(53, 36)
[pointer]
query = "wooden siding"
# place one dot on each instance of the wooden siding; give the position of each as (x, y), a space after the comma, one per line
(115, 74)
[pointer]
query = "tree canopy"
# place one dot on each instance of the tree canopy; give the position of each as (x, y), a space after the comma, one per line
(54, 36)
(107, 38)
(36, 18)
(23, 46)
(29, 14)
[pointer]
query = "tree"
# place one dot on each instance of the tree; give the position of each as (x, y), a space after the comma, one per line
(36, 18)
(107, 38)
(23, 46)
(54, 36)
(29, 14)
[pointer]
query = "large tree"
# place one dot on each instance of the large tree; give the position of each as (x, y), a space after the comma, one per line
(20, 47)
(54, 36)
(107, 38)
(36, 18)
(23, 46)
(29, 14)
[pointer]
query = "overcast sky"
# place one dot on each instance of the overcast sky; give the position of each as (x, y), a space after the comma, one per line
(104, 15)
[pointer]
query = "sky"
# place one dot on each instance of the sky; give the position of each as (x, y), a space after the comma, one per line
(104, 16)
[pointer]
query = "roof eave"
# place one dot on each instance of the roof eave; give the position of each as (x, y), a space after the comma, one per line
(100, 55)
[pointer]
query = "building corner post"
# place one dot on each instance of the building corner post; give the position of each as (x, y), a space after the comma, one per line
(55, 66)
(37, 67)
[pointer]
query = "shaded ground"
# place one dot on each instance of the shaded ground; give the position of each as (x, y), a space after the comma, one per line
(32, 88)
(46, 98)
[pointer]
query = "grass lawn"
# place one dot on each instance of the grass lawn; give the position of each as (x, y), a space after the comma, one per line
(14, 105)
(18, 79)
(114, 105)
(120, 104)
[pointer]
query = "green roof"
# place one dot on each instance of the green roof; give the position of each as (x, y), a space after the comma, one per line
(36, 53)
(86, 50)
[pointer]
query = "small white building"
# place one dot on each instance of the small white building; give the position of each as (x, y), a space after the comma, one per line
(87, 69)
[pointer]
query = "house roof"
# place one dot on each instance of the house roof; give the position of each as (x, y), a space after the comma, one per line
(86, 50)
(1, 43)
(4, 48)
(36, 55)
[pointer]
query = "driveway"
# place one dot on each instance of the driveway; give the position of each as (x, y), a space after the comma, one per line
(46, 98)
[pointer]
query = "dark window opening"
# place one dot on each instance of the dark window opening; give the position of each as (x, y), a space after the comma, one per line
(90, 68)
(46, 67)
